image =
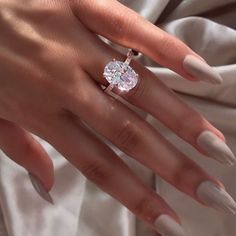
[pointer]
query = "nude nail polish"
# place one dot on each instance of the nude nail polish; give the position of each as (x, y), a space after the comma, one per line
(201, 70)
(215, 148)
(216, 197)
(38, 186)
(167, 226)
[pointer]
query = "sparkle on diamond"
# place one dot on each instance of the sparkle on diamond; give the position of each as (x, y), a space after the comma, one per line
(120, 74)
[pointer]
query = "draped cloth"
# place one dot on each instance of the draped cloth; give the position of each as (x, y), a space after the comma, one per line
(208, 27)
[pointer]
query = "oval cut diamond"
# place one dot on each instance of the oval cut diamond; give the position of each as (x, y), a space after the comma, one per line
(121, 75)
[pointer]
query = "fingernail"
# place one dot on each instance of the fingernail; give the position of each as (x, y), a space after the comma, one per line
(38, 186)
(216, 197)
(167, 226)
(201, 70)
(216, 148)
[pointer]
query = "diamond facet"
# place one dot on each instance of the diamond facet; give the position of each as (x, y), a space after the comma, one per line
(121, 75)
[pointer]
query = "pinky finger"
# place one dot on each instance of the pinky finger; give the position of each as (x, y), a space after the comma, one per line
(22, 148)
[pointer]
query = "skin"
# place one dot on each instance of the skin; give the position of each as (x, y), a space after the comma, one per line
(51, 65)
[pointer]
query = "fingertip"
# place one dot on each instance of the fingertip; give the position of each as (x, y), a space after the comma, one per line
(40, 188)
(45, 173)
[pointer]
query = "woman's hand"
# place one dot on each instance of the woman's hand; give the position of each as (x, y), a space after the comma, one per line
(51, 66)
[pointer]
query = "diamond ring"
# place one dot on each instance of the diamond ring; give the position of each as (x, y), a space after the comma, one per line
(120, 74)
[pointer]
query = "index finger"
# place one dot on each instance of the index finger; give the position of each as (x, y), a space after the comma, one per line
(124, 26)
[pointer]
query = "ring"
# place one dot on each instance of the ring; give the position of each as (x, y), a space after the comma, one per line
(120, 74)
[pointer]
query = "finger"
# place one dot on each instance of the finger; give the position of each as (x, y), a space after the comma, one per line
(154, 97)
(124, 26)
(136, 138)
(22, 148)
(101, 165)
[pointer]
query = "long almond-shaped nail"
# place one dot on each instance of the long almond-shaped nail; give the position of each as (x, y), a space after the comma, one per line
(216, 148)
(201, 70)
(216, 197)
(38, 186)
(167, 226)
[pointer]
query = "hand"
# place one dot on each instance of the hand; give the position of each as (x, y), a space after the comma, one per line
(51, 66)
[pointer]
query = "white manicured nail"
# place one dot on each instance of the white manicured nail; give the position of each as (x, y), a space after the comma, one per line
(38, 186)
(216, 197)
(167, 226)
(201, 70)
(216, 148)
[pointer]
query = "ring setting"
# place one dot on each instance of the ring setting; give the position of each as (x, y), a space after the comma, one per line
(120, 74)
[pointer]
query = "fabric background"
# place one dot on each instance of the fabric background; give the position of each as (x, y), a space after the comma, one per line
(80, 207)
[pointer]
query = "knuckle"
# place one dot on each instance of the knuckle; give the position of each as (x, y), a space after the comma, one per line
(186, 174)
(75, 92)
(128, 137)
(122, 25)
(184, 124)
(145, 208)
(96, 172)
(167, 44)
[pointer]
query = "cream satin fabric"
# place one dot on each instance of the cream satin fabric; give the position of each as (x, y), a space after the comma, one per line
(80, 207)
